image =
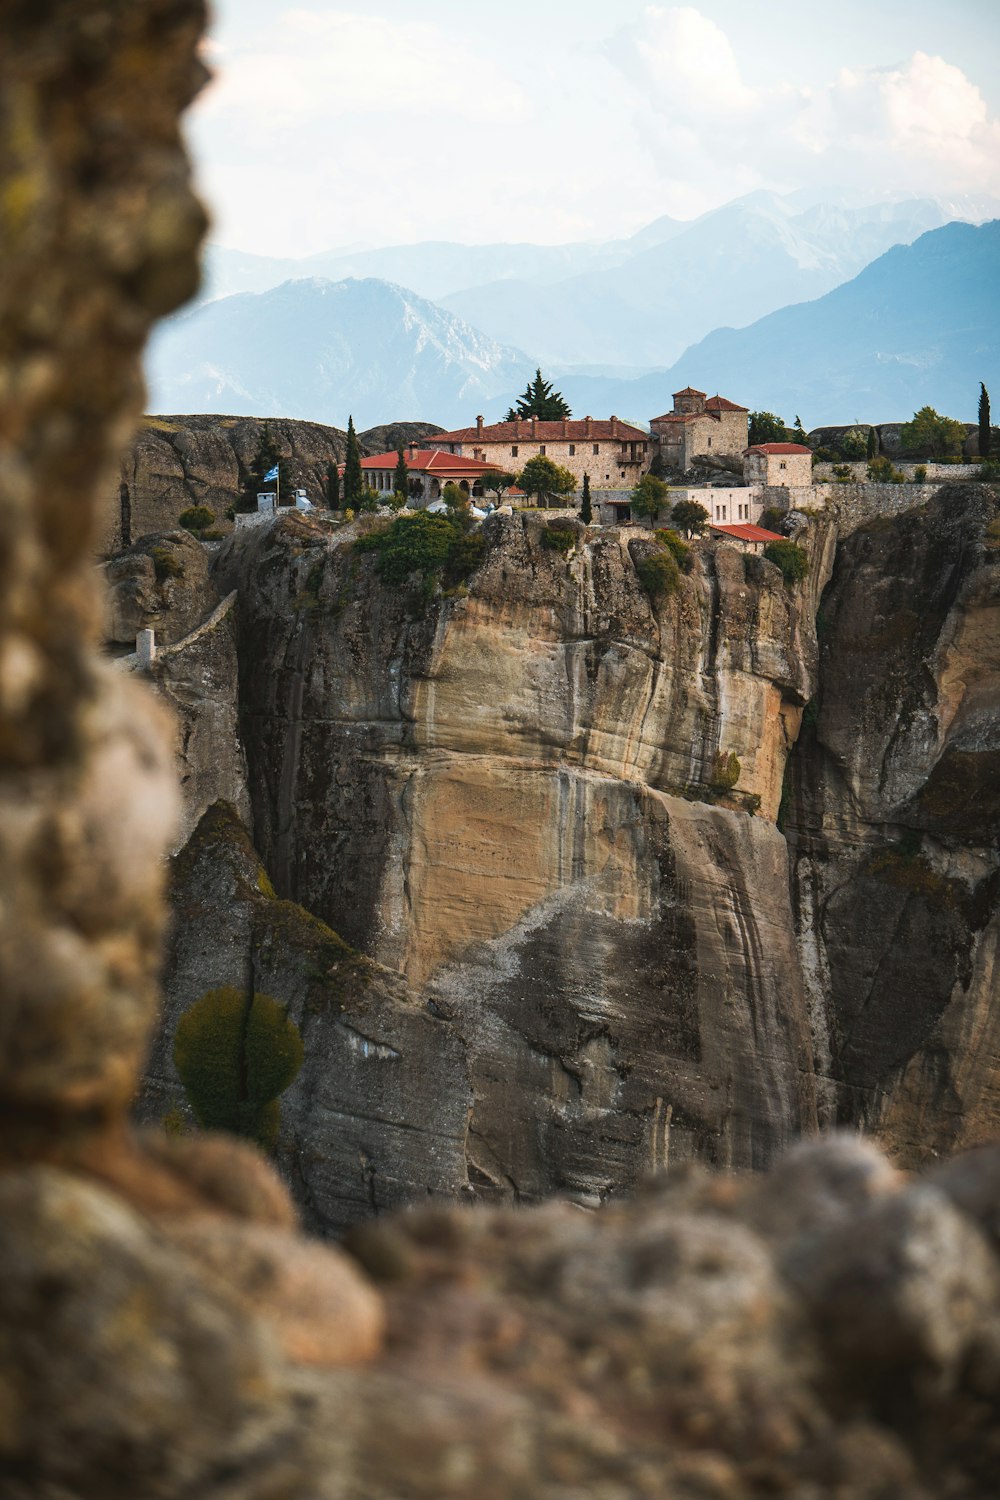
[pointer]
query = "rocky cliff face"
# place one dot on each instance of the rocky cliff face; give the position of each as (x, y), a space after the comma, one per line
(893, 817)
(176, 462)
(506, 797)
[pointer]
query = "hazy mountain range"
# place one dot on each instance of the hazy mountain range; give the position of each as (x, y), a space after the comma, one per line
(322, 350)
(318, 348)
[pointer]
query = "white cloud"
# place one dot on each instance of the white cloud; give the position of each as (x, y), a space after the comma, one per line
(311, 64)
(919, 127)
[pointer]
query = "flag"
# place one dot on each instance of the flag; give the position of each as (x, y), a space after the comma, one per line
(271, 474)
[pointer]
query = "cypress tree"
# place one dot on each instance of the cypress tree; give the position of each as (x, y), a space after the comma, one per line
(353, 478)
(333, 485)
(984, 421)
(872, 448)
(401, 483)
(586, 510)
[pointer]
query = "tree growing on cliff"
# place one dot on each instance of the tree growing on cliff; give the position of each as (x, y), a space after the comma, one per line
(235, 1054)
(545, 480)
(497, 482)
(691, 517)
(539, 400)
(985, 433)
(930, 435)
(871, 449)
(586, 509)
(765, 427)
(353, 477)
(649, 497)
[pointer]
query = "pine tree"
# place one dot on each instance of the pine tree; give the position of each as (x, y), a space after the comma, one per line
(353, 478)
(984, 421)
(401, 483)
(539, 400)
(586, 509)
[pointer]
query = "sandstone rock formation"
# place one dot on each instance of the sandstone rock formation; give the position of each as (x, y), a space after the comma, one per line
(176, 462)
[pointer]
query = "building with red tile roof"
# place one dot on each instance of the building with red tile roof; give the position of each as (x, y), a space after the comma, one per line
(781, 465)
(430, 469)
(747, 538)
(610, 450)
(700, 426)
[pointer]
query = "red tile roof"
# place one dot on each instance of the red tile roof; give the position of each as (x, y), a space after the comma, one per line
(719, 403)
(777, 448)
(689, 390)
(546, 432)
(689, 416)
(748, 533)
(429, 461)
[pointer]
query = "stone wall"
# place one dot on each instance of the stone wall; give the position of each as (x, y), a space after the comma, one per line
(944, 473)
(604, 467)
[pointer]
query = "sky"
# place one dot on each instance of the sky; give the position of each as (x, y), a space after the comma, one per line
(549, 121)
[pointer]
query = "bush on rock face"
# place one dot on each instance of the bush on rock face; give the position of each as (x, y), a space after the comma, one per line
(196, 518)
(559, 536)
(726, 771)
(790, 558)
(235, 1054)
(659, 574)
(675, 543)
(436, 548)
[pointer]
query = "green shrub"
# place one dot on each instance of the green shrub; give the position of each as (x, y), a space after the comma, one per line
(842, 473)
(677, 545)
(659, 574)
(920, 474)
(882, 471)
(790, 558)
(853, 443)
(558, 537)
(196, 518)
(435, 548)
(235, 1053)
(166, 564)
(725, 772)
(989, 469)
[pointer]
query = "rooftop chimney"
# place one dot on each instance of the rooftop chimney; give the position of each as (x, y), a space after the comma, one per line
(479, 427)
(565, 428)
(588, 426)
(534, 427)
(413, 450)
(614, 426)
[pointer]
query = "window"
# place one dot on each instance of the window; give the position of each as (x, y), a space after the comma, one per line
(607, 476)
(623, 473)
(572, 450)
(541, 450)
(782, 465)
(710, 442)
(513, 451)
(597, 449)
